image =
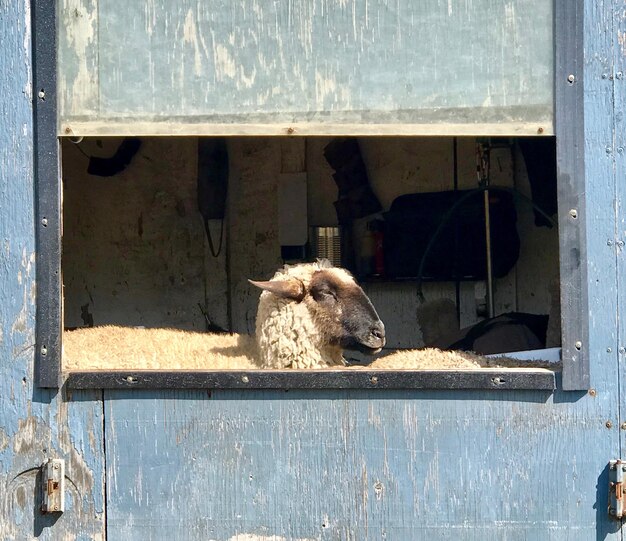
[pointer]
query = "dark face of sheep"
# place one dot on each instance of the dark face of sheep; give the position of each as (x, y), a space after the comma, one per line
(342, 311)
(345, 312)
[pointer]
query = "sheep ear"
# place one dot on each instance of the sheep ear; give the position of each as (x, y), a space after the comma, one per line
(292, 288)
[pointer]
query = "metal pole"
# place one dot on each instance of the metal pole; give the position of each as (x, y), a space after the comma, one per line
(490, 301)
(483, 174)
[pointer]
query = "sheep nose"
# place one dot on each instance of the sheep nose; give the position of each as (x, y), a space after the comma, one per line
(378, 331)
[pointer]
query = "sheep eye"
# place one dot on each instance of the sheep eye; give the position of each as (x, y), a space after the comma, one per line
(324, 294)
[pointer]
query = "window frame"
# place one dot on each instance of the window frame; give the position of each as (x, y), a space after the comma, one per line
(569, 130)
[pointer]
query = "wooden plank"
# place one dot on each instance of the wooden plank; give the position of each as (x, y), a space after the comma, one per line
(298, 62)
(48, 213)
(571, 174)
(493, 379)
(618, 84)
(357, 465)
(35, 423)
(282, 127)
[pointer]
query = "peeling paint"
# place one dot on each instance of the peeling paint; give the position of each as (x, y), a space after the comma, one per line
(255, 537)
(315, 63)
(4, 440)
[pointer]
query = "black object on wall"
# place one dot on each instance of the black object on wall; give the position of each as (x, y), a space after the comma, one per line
(540, 157)
(212, 185)
(108, 167)
(356, 199)
(458, 252)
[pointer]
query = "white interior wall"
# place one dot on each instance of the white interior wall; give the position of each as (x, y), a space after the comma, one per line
(134, 248)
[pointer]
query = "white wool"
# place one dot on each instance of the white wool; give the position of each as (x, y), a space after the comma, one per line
(118, 348)
(287, 333)
(287, 336)
(437, 359)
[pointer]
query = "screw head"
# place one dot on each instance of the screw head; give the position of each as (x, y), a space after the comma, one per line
(609, 350)
(41, 94)
(592, 392)
(605, 75)
(245, 379)
(608, 424)
(571, 78)
(573, 213)
(68, 130)
(44, 350)
(578, 344)
(622, 350)
(540, 129)
(374, 380)
(619, 75)
(620, 150)
(609, 242)
(290, 130)
(44, 222)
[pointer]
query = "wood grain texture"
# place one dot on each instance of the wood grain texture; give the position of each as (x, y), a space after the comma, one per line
(619, 158)
(130, 237)
(308, 63)
(356, 465)
(335, 465)
(34, 423)
(359, 465)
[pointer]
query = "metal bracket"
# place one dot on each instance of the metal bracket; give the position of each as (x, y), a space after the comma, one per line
(53, 486)
(617, 488)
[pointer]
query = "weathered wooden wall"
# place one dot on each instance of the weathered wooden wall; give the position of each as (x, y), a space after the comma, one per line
(130, 237)
(336, 465)
(364, 465)
(316, 66)
(34, 424)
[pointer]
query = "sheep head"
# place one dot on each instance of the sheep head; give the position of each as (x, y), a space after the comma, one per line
(308, 314)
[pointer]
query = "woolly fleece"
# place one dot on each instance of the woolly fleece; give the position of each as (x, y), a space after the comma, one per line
(289, 334)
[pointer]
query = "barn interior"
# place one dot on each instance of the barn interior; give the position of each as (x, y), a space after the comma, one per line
(164, 232)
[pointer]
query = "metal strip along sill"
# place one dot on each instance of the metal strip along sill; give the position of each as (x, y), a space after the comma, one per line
(486, 379)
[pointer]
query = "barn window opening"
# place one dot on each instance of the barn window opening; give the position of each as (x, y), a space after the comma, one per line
(185, 153)
(162, 235)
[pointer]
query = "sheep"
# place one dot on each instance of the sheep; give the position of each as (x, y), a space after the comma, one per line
(307, 315)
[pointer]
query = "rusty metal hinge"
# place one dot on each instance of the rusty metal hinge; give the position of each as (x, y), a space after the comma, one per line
(53, 486)
(617, 488)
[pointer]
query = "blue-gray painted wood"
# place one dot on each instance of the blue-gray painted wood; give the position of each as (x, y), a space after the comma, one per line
(34, 423)
(392, 464)
(384, 62)
(572, 217)
(313, 464)
(618, 84)
(357, 465)
(48, 197)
